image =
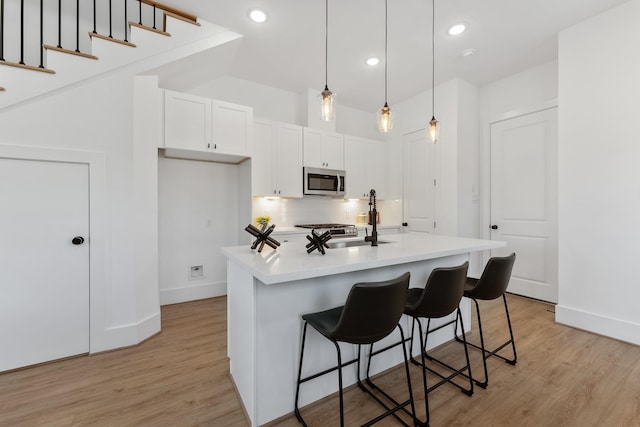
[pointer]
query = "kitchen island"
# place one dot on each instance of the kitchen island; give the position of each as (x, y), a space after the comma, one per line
(268, 292)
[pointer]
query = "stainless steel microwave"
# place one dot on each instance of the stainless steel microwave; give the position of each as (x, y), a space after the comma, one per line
(323, 182)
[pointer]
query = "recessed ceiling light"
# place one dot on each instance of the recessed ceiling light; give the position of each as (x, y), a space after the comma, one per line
(372, 61)
(257, 15)
(457, 29)
(468, 53)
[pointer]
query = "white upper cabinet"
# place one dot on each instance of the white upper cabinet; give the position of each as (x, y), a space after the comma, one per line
(276, 166)
(187, 121)
(323, 149)
(206, 126)
(232, 128)
(365, 168)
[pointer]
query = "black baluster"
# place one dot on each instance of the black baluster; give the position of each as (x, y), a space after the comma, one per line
(94, 17)
(77, 25)
(60, 24)
(154, 16)
(41, 65)
(22, 32)
(1, 30)
(110, 26)
(140, 12)
(126, 24)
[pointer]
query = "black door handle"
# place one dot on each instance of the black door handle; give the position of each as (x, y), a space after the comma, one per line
(494, 227)
(78, 240)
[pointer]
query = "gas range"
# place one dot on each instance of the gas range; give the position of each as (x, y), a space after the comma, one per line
(336, 230)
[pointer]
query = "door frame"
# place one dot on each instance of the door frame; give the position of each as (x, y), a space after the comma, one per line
(97, 221)
(485, 166)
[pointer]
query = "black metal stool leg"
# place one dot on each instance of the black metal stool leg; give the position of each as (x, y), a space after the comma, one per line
(466, 354)
(296, 409)
(340, 382)
(513, 342)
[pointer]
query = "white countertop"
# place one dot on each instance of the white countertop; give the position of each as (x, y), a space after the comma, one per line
(292, 262)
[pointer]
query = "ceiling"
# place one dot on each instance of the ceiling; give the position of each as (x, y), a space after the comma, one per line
(288, 50)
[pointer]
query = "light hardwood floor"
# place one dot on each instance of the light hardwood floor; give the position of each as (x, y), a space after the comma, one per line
(564, 377)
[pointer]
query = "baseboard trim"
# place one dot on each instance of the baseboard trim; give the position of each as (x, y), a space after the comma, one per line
(596, 323)
(192, 293)
(117, 337)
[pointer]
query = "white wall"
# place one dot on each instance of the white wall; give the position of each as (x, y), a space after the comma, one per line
(268, 102)
(198, 215)
(599, 177)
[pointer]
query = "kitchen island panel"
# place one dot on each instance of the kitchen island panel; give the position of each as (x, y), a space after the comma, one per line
(271, 367)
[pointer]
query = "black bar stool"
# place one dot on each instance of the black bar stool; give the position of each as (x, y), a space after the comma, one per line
(492, 285)
(440, 297)
(371, 312)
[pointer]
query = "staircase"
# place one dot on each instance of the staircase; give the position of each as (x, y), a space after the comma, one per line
(45, 47)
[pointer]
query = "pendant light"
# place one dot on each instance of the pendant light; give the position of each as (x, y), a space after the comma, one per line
(433, 123)
(385, 115)
(328, 97)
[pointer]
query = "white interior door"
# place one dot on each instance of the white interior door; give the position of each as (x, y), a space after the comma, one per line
(419, 182)
(44, 276)
(524, 200)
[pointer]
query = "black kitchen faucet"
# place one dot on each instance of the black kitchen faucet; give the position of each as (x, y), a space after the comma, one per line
(373, 216)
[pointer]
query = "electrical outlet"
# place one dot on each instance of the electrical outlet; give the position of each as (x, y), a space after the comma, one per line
(196, 272)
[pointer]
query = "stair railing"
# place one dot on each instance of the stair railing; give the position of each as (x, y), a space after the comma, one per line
(27, 46)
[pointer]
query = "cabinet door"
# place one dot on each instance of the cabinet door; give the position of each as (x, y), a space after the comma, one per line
(232, 128)
(312, 148)
(333, 151)
(288, 160)
(375, 172)
(187, 121)
(262, 183)
(354, 164)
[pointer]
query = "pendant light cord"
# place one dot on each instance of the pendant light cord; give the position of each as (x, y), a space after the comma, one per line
(326, 43)
(433, 57)
(386, 36)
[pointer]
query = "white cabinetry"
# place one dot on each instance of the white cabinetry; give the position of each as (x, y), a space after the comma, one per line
(323, 149)
(276, 165)
(365, 167)
(195, 126)
(187, 121)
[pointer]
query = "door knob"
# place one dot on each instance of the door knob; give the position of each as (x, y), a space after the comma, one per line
(494, 227)
(78, 240)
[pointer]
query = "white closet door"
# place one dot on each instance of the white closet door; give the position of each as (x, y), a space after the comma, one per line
(524, 200)
(44, 276)
(419, 182)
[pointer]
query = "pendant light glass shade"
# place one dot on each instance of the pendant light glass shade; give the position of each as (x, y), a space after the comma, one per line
(433, 129)
(385, 119)
(385, 116)
(327, 104)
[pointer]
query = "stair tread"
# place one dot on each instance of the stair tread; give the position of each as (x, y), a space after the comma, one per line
(27, 67)
(145, 27)
(70, 52)
(111, 39)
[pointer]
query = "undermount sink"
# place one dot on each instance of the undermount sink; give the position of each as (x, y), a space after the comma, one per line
(351, 243)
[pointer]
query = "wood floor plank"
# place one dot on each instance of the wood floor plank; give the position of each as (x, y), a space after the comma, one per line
(564, 377)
